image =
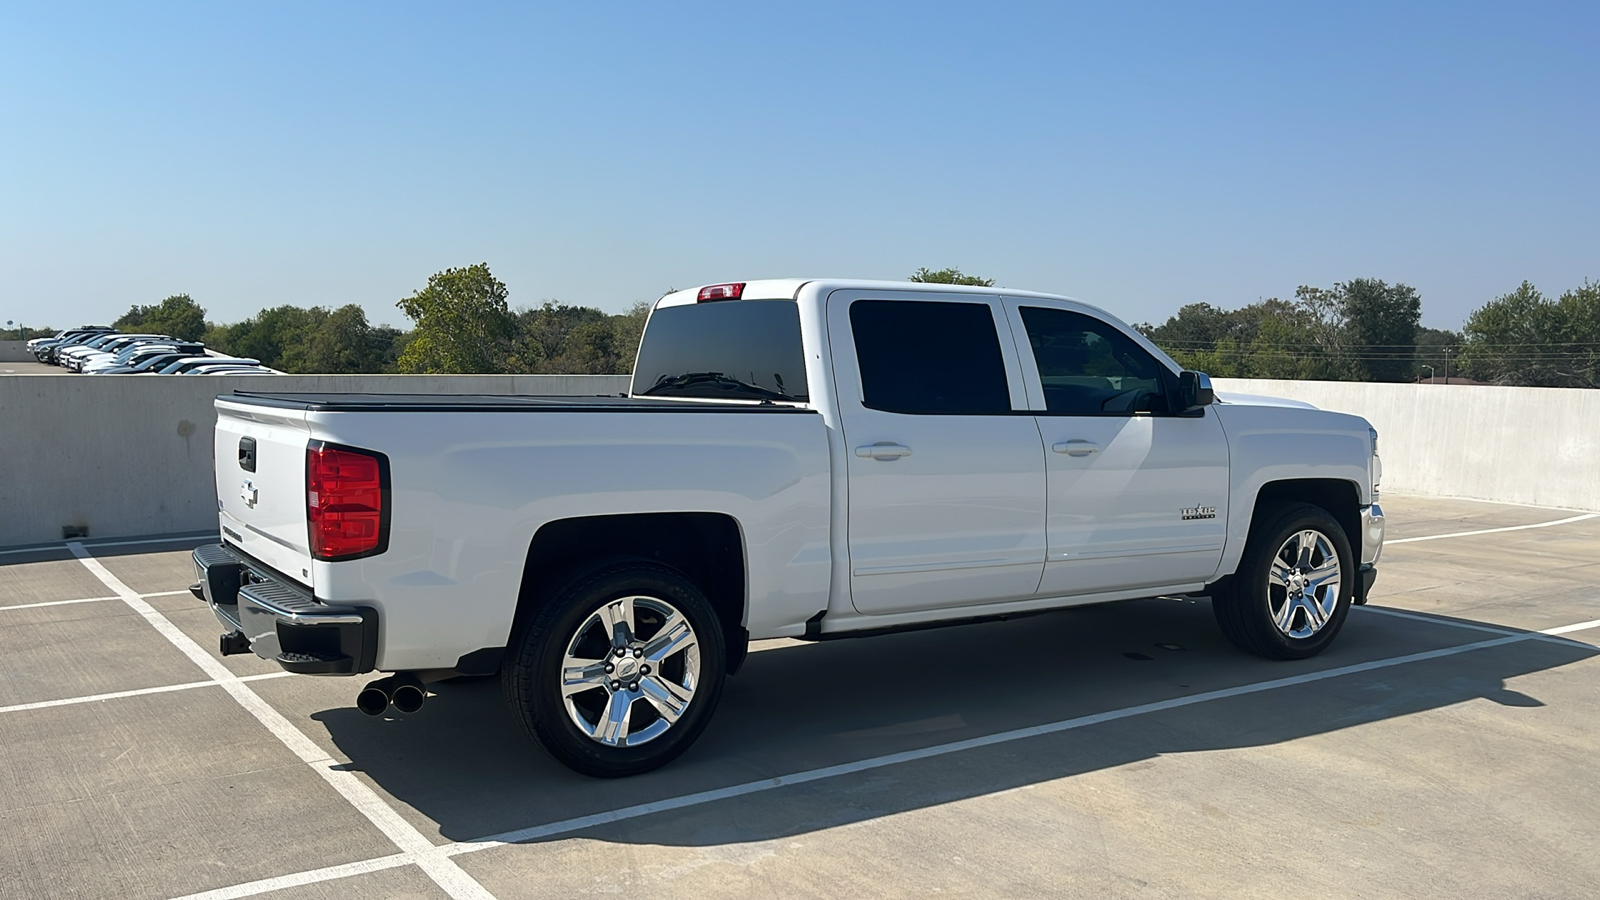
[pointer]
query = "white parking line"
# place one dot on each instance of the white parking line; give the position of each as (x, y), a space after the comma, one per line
(59, 603)
(567, 826)
(85, 600)
(444, 872)
(1456, 534)
(1569, 629)
(301, 879)
(1436, 620)
(139, 692)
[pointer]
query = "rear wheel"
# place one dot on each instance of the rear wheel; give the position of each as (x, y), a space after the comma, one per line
(621, 670)
(1292, 590)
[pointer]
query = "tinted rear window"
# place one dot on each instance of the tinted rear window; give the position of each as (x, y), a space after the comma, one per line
(929, 358)
(734, 349)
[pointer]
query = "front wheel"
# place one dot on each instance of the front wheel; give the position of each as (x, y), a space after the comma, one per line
(620, 671)
(1292, 590)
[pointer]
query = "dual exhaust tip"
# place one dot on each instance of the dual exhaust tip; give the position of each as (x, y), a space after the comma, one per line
(405, 692)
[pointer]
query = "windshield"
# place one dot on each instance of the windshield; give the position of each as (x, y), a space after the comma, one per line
(728, 350)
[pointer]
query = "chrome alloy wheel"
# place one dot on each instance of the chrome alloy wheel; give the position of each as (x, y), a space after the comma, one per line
(1303, 584)
(632, 649)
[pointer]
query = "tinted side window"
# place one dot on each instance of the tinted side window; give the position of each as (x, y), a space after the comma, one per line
(929, 358)
(1089, 368)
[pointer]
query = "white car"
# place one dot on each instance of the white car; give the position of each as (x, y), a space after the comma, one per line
(231, 370)
(136, 352)
(808, 459)
(180, 366)
(66, 353)
(105, 348)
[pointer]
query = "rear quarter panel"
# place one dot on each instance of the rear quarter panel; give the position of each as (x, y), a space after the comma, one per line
(470, 490)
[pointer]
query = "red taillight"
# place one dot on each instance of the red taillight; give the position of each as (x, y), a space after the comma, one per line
(345, 495)
(720, 292)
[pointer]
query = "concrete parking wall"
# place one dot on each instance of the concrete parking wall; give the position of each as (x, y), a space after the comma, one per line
(15, 351)
(129, 456)
(1539, 446)
(132, 456)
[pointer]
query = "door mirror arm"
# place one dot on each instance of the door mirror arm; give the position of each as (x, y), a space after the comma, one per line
(1194, 391)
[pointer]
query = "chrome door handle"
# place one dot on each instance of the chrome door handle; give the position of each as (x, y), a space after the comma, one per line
(1076, 447)
(883, 450)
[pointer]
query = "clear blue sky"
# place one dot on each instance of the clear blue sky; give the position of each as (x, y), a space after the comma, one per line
(1138, 156)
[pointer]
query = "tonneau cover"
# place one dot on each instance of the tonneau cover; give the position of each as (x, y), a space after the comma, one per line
(366, 402)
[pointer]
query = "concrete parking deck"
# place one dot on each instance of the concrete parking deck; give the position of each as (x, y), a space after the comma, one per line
(1446, 746)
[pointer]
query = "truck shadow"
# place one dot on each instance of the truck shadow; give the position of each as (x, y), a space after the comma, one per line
(464, 764)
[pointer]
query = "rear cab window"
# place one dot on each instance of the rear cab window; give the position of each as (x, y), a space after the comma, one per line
(723, 350)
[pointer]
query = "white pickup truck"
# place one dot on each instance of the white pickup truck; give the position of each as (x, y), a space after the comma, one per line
(800, 458)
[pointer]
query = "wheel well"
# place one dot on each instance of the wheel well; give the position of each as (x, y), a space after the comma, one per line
(706, 547)
(1338, 497)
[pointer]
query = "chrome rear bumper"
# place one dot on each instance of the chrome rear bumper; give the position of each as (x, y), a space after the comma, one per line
(283, 621)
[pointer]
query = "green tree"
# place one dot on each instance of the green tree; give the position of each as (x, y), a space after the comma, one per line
(1268, 339)
(951, 275)
(463, 324)
(561, 338)
(178, 316)
(267, 335)
(337, 342)
(629, 329)
(1524, 338)
(1380, 324)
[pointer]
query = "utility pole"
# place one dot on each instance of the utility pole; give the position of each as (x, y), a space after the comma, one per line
(1430, 372)
(1447, 364)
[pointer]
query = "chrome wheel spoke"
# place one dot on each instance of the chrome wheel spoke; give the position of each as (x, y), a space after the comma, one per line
(1328, 571)
(1306, 544)
(1280, 573)
(674, 636)
(1315, 616)
(612, 726)
(1284, 618)
(670, 700)
(617, 616)
(579, 675)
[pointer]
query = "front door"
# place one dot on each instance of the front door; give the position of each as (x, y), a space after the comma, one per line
(946, 470)
(1138, 491)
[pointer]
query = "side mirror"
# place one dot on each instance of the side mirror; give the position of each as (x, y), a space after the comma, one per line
(1194, 390)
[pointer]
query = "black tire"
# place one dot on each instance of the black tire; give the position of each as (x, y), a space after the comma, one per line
(532, 679)
(1244, 609)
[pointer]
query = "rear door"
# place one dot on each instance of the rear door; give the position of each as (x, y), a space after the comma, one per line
(1138, 491)
(261, 484)
(945, 466)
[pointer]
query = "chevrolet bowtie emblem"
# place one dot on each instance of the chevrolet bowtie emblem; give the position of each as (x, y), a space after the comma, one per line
(249, 494)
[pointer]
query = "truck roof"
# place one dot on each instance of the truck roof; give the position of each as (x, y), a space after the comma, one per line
(789, 289)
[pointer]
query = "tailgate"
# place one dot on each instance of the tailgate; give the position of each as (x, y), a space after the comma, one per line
(261, 484)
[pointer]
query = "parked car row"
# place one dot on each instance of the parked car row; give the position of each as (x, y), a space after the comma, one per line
(100, 350)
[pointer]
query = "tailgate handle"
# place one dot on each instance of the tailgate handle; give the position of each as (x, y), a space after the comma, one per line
(247, 454)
